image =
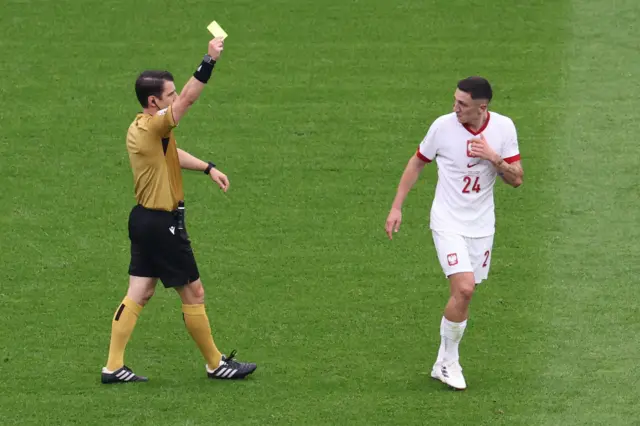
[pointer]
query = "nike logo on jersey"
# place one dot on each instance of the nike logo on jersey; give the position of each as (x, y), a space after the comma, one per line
(172, 229)
(470, 165)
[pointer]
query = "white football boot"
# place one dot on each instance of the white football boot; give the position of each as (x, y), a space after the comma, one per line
(436, 372)
(451, 373)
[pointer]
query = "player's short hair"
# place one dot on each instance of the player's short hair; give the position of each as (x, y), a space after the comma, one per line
(477, 87)
(151, 83)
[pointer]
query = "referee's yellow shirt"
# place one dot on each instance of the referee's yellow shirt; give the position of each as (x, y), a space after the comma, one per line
(153, 154)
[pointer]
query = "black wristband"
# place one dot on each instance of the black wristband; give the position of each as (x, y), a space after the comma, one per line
(203, 73)
(209, 167)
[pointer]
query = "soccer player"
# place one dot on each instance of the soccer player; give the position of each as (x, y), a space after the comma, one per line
(471, 147)
(160, 246)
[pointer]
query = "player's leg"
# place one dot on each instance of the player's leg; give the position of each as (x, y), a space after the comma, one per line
(196, 321)
(454, 321)
(124, 321)
(141, 288)
(456, 313)
(452, 327)
(453, 254)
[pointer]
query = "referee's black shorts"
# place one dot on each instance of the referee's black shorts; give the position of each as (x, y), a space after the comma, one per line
(159, 249)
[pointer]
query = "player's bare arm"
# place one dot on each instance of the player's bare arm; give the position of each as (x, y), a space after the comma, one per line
(189, 162)
(511, 173)
(409, 177)
(191, 91)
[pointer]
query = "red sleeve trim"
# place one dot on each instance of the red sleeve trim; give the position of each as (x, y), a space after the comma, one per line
(422, 157)
(512, 159)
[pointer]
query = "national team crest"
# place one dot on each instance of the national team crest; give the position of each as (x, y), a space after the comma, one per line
(469, 149)
(452, 258)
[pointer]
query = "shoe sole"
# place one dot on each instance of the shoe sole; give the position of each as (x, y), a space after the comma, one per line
(454, 387)
(440, 378)
(118, 382)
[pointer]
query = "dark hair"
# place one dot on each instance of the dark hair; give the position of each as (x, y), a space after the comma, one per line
(151, 83)
(477, 87)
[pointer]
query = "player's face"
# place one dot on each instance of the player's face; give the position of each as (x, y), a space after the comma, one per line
(169, 94)
(467, 110)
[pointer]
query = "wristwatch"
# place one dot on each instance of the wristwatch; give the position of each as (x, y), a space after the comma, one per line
(208, 59)
(209, 167)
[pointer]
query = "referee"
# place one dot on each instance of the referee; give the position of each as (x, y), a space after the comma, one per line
(160, 246)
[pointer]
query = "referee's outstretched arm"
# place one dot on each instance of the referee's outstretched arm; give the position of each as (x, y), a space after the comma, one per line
(191, 91)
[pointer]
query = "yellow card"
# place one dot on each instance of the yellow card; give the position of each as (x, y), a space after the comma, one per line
(215, 29)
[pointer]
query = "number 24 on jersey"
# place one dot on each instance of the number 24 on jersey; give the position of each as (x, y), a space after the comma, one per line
(468, 187)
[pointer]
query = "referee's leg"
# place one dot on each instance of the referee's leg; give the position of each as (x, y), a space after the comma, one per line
(197, 322)
(124, 320)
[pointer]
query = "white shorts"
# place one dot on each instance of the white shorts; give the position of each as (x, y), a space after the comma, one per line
(464, 254)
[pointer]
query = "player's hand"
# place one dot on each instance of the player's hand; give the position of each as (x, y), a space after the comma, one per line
(393, 222)
(480, 148)
(215, 48)
(220, 178)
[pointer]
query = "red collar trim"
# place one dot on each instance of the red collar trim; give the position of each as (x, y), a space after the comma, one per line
(481, 129)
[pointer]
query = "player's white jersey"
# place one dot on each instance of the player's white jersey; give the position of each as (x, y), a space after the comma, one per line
(463, 203)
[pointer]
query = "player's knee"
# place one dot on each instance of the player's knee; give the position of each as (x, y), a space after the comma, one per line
(462, 286)
(198, 293)
(141, 290)
(194, 293)
(466, 291)
(146, 296)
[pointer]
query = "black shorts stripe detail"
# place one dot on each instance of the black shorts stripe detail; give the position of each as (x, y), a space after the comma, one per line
(120, 309)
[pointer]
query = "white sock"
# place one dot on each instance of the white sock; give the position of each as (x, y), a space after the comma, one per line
(441, 350)
(451, 335)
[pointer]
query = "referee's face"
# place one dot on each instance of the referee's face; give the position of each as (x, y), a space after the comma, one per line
(169, 94)
(467, 110)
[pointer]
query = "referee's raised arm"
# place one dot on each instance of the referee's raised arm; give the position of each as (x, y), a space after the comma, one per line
(191, 91)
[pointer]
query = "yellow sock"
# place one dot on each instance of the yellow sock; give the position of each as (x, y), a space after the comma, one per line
(122, 326)
(197, 322)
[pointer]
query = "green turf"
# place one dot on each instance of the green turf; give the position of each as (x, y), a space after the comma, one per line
(313, 112)
(593, 372)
